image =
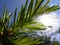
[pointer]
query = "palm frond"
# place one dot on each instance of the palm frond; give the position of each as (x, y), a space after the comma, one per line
(14, 33)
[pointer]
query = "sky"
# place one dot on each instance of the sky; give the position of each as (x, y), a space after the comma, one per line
(12, 4)
(51, 20)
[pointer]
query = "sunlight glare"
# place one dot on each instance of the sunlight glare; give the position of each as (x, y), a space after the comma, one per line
(50, 19)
